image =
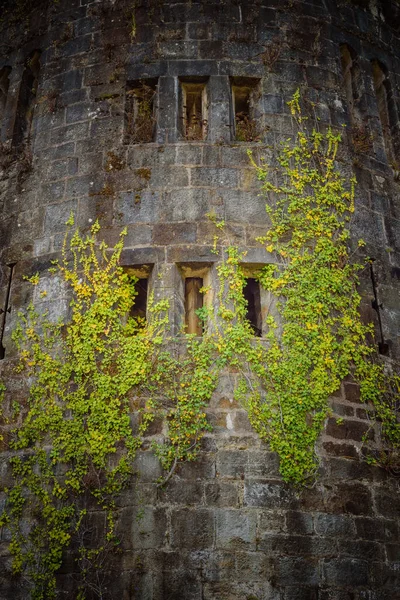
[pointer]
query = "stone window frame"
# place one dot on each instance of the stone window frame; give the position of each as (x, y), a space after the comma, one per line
(141, 272)
(245, 90)
(135, 91)
(268, 302)
(5, 73)
(354, 86)
(26, 102)
(190, 270)
(196, 86)
(387, 110)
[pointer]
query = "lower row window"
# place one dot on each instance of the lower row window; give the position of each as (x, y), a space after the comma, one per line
(196, 293)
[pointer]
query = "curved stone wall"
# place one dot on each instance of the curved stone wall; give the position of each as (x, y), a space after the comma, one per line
(214, 79)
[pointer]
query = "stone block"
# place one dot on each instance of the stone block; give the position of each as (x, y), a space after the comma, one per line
(253, 566)
(343, 450)
(377, 529)
(191, 254)
(235, 528)
(244, 206)
(272, 494)
(148, 156)
(393, 552)
(291, 571)
(349, 430)
(299, 522)
(173, 177)
(262, 463)
(273, 104)
(192, 528)
(352, 392)
(362, 549)
(271, 520)
(192, 68)
(343, 410)
(208, 176)
(387, 504)
(296, 545)
(78, 186)
(56, 216)
(353, 498)
(334, 525)
(212, 155)
(180, 585)
(148, 466)
(189, 154)
(231, 463)
(177, 491)
(235, 156)
(234, 590)
(202, 468)
(80, 112)
(221, 494)
(341, 468)
(301, 593)
(185, 204)
(174, 233)
(142, 528)
(318, 78)
(136, 207)
(68, 133)
(345, 572)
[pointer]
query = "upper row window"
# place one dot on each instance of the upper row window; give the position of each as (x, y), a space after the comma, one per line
(193, 114)
(26, 98)
(4, 85)
(361, 135)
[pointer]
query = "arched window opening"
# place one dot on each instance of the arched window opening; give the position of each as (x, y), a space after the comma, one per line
(26, 99)
(386, 109)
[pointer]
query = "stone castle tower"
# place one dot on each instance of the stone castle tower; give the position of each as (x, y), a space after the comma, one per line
(139, 113)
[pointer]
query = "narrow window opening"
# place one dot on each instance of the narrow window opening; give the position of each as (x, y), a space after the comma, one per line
(244, 94)
(4, 85)
(5, 310)
(193, 301)
(26, 99)
(194, 110)
(139, 308)
(140, 111)
(251, 293)
(386, 108)
(361, 137)
(140, 275)
(383, 346)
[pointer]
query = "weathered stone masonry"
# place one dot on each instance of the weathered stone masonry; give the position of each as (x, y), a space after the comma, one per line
(225, 527)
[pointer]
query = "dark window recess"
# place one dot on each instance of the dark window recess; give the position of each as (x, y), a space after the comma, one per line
(244, 96)
(193, 301)
(6, 309)
(251, 293)
(4, 85)
(194, 110)
(386, 108)
(26, 99)
(140, 111)
(139, 308)
(361, 136)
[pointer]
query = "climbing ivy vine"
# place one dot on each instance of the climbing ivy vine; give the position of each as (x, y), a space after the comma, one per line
(318, 338)
(73, 446)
